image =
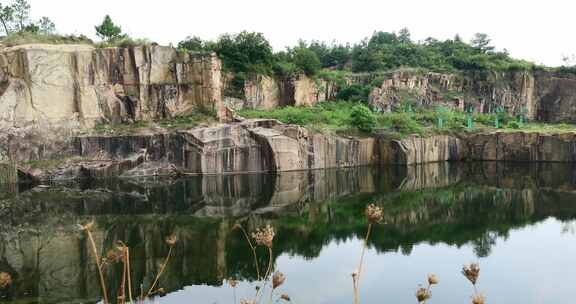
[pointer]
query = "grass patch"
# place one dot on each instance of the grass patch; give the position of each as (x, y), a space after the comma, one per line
(195, 119)
(37, 38)
(124, 42)
(338, 117)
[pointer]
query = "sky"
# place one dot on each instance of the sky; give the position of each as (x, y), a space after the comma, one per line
(540, 31)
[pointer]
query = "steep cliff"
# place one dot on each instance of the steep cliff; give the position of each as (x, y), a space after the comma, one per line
(513, 92)
(249, 146)
(48, 92)
(556, 97)
(262, 92)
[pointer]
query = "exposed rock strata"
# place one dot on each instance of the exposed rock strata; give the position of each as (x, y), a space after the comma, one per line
(50, 92)
(513, 92)
(263, 92)
(250, 146)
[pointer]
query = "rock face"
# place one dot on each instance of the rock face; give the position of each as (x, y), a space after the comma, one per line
(249, 146)
(419, 150)
(56, 90)
(8, 173)
(514, 92)
(556, 95)
(261, 92)
(522, 147)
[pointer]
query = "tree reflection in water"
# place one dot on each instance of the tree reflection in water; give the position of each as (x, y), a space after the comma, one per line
(457, 205)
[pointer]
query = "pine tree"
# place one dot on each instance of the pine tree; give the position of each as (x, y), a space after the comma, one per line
(108, 30)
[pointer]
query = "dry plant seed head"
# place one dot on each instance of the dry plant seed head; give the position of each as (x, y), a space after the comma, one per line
(374, 214)
(285, 297)
(247, 301)
(478, 299)
(423, 294)
(115, 255)
(171, 240)
(5, 280)
(232, 282)
(432, 279)
(471, 272)
(264, 236)
(87, 226)
(278, 279)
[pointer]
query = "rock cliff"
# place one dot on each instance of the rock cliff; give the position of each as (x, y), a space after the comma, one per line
(49, 92)
(263, 92)
(513, 92)
(249, 146)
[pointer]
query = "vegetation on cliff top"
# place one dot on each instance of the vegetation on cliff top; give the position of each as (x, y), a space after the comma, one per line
(352, 118)
(250, 52)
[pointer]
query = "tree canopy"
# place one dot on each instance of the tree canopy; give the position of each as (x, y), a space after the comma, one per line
(108, 30)
(251, 52)
(15, 18)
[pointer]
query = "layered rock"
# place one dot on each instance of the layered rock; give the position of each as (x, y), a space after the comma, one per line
(513, 92)
(249, 146)
(419, 150)
(522, 147)
(262, 92)
(49, 92)
(556, 95)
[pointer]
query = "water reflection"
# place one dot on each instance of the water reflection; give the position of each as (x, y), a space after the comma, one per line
(446, 210)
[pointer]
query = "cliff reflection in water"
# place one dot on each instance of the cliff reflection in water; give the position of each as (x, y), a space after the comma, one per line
(438, 203)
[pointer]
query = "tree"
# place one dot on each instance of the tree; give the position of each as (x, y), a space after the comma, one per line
(16, 18)
(7, 18)
(481, 42)
(404, 36)
(46, 25)
(192, 44)
(306, 60)
(108, 30)
(247, 52)
(21, 10)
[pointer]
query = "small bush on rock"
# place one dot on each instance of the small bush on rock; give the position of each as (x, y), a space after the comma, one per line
(363, 118)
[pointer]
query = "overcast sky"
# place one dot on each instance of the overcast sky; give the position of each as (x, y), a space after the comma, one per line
(540, 31)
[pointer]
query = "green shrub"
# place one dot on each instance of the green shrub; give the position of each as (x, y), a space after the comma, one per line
(363, 118)
(124, 42)
(355, 93)
(403, 123)
(307, 61)
(513, 125)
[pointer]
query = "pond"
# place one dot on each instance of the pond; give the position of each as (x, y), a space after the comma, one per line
(517, 221)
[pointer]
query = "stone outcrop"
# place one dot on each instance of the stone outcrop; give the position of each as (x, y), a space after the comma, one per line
(49, 92)
(513, 92)
(420, 150)
(263, 92)
(8, 173)
(249, 146)
(556, 98)
(522, 147)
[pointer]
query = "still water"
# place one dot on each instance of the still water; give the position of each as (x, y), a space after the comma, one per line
(517, 221)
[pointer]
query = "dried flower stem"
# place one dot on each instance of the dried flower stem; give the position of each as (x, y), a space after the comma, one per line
(122, 296)
(160, 272)
(253, 248)
(356, 279)
(271, 295)
(269, 270)
(99, 265)
(129, 274)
